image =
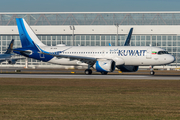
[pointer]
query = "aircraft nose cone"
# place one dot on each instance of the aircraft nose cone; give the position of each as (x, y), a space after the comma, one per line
(172, 59)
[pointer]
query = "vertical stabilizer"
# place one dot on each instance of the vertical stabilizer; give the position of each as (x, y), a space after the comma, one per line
(10, 47)
(27, 36)
(127, 42)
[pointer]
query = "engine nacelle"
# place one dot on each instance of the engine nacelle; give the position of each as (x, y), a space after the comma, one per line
(105, 66)
(12, 61)
(128, 68)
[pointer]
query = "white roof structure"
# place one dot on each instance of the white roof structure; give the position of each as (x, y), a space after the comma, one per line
(93, 18)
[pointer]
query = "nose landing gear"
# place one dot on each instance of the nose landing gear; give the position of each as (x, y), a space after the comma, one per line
(151, 71)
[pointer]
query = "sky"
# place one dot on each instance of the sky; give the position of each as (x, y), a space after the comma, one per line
(88, 5)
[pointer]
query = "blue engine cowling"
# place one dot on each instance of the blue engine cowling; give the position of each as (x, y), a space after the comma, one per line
(105, 66)
(128, 68)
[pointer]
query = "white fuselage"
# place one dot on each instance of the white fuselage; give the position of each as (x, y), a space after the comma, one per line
(122, 55)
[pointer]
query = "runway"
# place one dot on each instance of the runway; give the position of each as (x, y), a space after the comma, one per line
(82, 76)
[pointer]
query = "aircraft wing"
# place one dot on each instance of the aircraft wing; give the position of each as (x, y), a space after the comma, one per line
(88, 60)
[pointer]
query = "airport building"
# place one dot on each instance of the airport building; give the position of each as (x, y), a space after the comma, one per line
(160, 29)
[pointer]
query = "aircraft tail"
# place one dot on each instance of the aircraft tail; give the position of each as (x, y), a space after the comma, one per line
(127, 42)
(27, 36)
(9, 50)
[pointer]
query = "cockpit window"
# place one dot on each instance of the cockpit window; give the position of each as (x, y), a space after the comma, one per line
(162, 52)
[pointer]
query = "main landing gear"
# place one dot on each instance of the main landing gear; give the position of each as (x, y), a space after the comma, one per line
(151, 71)
(88, 71)
(104, 73)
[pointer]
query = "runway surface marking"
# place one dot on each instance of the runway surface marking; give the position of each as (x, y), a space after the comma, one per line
(71, 76)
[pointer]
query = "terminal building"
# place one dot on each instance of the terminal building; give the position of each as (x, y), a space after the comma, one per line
(160, 29)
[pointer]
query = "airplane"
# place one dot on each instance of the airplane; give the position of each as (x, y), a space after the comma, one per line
(102, 58)
(7, 56)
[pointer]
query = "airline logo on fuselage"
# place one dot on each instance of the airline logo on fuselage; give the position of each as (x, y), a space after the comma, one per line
(131, 52)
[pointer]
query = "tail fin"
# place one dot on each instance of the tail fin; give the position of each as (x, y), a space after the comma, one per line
(10, 47)
(128, 38)
(27, 36)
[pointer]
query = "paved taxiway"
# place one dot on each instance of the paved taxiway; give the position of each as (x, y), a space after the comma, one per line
(74, 76)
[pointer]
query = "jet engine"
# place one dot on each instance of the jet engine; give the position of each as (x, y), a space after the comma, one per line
(128, 68)
(105, 66)
(12, 61)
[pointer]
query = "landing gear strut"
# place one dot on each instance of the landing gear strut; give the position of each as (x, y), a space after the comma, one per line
(151, 71)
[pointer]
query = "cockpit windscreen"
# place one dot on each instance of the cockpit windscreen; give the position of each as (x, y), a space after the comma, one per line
(162, 52)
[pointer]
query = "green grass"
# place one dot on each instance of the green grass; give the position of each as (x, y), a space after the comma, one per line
(67, 99)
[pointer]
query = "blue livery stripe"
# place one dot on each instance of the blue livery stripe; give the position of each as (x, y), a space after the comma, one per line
(99, 68)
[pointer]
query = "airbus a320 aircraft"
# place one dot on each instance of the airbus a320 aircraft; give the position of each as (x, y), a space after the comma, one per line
(103, 58)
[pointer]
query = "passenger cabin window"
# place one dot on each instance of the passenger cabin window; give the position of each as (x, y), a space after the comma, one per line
(162, 52)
